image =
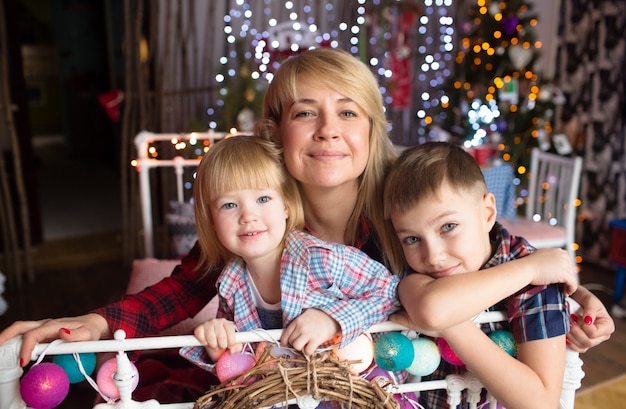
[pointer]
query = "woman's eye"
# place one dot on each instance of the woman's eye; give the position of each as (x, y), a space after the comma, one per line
(350, 114)
(303, 114)
(448, 227)
(263, 199)
(410, 240)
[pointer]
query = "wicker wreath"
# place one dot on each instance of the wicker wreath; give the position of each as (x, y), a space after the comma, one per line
(275, 381)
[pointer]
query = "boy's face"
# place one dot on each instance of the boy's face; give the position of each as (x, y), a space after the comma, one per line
(449, 234)
(250, 223)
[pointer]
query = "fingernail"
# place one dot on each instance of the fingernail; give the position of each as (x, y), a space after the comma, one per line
(21, 363)
(574, 317)
(67, 331)
(567, 342)
(588, 320)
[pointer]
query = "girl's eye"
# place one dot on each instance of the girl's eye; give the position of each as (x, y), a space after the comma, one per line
(229, 205)
(263, 199)
(410, 240)
(448, 227)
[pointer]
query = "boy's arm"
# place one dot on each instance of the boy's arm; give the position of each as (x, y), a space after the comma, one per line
(433, 305)
(534, 379)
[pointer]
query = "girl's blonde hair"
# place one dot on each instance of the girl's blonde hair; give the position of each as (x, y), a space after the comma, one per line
(418, 174)
(239, 163)
(342, 72)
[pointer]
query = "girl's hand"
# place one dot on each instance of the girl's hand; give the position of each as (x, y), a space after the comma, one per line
(217, 335)
(591, 325)
(310, 330)
(89, 327)
(553, 265)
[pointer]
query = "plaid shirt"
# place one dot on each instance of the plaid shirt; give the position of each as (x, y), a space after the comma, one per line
(535, 312)
(184, 294)
(340, 280)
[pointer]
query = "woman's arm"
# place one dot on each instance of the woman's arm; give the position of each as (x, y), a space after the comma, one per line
(433, 305)
(533, 380)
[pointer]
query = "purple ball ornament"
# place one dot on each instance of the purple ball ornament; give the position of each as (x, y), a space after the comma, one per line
(448, 354)
(232, 365)
(393, 351)
(509, 25)
(427, 357)
(44, 386)
(505, 340)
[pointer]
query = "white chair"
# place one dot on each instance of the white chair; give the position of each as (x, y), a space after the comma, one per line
(550, 219)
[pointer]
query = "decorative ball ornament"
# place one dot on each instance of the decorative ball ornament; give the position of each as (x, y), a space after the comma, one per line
(427, 357)
(231, 365)
(505, 340)
(70, 366)
(105, 378)
(44, 386)
(447, 353)
(361, 349)
(393, 351)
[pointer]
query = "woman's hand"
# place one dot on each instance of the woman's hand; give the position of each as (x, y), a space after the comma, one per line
(591, 325)
(89, 327)
(310, 330)
(217, 335)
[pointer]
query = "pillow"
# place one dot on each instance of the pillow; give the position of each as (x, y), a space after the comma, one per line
(181, 225)
(149, 271)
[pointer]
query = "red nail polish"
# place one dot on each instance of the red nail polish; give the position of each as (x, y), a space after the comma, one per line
(21, 363)
(67, 331)
(574, 317)
(588, 320)
(567, 341)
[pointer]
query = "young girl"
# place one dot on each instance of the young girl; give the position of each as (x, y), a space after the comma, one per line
(249, 218)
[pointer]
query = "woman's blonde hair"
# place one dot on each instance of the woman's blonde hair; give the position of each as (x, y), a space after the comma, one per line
(418, 174)
(239, 163)
(342, 72)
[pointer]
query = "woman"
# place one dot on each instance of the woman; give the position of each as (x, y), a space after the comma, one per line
(325, 108)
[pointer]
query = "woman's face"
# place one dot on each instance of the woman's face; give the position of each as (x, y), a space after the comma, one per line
(325, 137)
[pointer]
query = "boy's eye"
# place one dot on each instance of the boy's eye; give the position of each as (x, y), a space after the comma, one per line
(448, 227)
(263, 199)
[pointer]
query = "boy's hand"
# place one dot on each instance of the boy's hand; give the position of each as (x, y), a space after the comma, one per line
(310, 330)
(553, 265)
(217, 335)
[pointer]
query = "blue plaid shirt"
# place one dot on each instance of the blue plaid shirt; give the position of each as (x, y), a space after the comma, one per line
(340, 280)
(535, 312)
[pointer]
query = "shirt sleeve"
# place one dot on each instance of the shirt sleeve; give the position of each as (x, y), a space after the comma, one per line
(365, 293)
(164, 304)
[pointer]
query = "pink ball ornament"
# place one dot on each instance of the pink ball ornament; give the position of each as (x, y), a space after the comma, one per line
(44, 386)
(105, 380)
(448, 354)
(231, 365)
(427, 357)
(393, 351)
(361, 349)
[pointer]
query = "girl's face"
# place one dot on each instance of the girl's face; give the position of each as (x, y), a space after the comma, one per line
(250, 223)
(325, 137)
(448, 234)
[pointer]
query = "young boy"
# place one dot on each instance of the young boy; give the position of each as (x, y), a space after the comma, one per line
(444, 223)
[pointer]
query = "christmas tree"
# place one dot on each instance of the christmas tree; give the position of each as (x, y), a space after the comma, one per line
(494, 97)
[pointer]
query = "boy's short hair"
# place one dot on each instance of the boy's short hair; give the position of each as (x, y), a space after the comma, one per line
(420, 171)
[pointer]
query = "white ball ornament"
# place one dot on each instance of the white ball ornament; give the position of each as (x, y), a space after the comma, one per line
(427, 357)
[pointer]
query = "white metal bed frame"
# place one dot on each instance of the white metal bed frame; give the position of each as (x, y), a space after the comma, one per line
(10, 372)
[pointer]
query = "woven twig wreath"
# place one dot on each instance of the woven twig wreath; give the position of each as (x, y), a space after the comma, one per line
(274, 381)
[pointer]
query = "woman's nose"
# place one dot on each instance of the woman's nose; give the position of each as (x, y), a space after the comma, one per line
(328, 127)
